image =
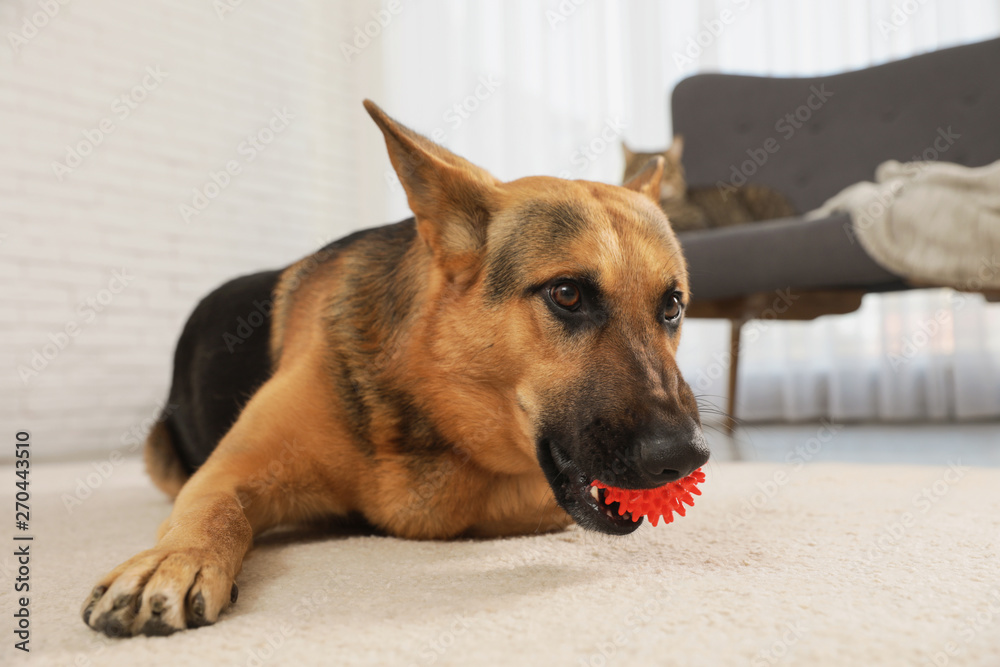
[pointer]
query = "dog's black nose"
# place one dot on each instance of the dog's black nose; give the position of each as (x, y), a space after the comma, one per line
(669, 455)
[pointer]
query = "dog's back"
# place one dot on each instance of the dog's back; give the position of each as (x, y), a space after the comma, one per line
(226, 350)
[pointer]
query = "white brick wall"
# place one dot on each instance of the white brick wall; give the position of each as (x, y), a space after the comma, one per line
(61, 240)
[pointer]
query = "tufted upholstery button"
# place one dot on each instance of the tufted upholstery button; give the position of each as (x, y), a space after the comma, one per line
(889, 115)
(971, 98)
(743, 126)
(815, 128)
(801, 178)
(960, 158)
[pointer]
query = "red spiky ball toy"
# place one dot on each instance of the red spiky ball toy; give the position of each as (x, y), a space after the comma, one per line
(653, 503)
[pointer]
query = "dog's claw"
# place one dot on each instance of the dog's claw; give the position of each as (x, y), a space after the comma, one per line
(198, 605)
(234, 593)
(123, 601)
(157, 602)
(95, 595)
(114, 623)
(117, 621)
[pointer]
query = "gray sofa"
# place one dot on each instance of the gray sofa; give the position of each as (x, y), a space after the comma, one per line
(809, 138)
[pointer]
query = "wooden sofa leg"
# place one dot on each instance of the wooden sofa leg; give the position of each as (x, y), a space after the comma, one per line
(734, 365)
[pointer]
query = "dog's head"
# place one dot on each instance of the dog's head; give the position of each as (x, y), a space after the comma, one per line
(558, 308)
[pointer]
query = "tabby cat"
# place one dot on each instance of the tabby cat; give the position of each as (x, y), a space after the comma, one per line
(706, 206)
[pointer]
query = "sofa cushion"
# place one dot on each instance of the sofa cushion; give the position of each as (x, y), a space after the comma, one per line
(791, 253)
(809, 138)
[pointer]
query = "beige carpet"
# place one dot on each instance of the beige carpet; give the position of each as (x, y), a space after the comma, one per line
(836, 565)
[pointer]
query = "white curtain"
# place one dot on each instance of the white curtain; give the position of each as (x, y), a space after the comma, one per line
(527, 87)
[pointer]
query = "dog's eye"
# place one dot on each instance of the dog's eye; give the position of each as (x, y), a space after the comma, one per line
(672, 309)
(565, 295)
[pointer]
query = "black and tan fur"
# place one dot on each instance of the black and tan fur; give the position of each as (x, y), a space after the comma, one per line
(434, 377)
(692, 208)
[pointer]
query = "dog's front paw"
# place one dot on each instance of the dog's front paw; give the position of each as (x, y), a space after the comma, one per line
(159, 592)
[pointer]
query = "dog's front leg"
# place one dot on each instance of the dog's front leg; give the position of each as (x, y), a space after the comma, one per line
(261, 474)
(186, 579)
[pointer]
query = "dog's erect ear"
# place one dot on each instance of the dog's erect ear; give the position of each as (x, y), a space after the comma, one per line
(647, 181)
(451, 198)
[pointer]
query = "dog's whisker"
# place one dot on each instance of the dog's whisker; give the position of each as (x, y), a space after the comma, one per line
(541, 514)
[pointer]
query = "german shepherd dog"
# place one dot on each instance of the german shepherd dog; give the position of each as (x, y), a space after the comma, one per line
(467, 372)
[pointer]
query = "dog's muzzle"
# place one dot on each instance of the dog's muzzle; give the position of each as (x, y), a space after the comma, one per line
(658, 457)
